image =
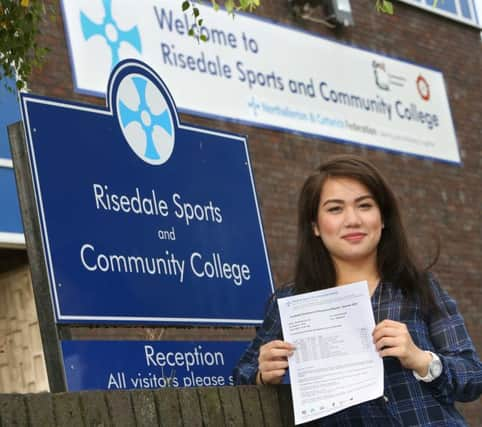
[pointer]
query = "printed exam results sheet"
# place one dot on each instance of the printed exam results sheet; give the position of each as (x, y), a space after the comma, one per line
(335, 364)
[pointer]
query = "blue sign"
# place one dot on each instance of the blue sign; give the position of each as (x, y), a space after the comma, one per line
(145, 219)
(116, 365)
(9, 113)
(10, 221)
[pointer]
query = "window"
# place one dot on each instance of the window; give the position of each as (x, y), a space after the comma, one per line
(10, 221)
(460, 10)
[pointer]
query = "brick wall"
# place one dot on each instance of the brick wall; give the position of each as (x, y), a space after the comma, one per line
(439, 201)
(22, 367)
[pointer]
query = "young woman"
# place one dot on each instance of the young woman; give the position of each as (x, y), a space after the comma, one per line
(350, 229)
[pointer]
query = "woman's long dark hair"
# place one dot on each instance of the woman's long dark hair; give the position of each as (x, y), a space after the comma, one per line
(314, 267)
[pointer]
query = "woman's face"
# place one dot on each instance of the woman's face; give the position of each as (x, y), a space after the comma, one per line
(349, 221)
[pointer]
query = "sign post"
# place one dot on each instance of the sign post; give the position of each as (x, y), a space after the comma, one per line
(43, 301)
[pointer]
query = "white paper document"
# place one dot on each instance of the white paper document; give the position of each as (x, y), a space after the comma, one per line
(335, 364)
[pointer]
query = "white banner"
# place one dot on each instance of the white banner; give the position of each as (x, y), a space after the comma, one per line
(265, 74)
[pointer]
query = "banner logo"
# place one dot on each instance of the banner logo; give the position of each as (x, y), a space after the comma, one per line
(112, 34)
(381, 76)
(383, 79)
(423, 88)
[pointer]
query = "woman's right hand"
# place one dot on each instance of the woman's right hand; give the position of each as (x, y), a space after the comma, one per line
(273, 361)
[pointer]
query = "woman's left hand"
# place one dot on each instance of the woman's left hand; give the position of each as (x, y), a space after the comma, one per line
(392, 338)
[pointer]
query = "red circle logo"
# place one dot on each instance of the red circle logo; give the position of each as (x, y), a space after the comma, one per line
(423, 88)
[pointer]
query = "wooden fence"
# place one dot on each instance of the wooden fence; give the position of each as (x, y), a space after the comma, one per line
(245, 406)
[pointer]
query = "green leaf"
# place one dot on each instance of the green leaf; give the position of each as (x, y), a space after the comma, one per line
(388, 7)
(191, 32)
(203, 38)
(185, 5)
(248, 5)
(200, 22)
(229, 5)
(384, 6)
(19, 28)
(195, 11)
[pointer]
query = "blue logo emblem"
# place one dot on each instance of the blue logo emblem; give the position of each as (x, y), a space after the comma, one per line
(110, 32)
(145, 119)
